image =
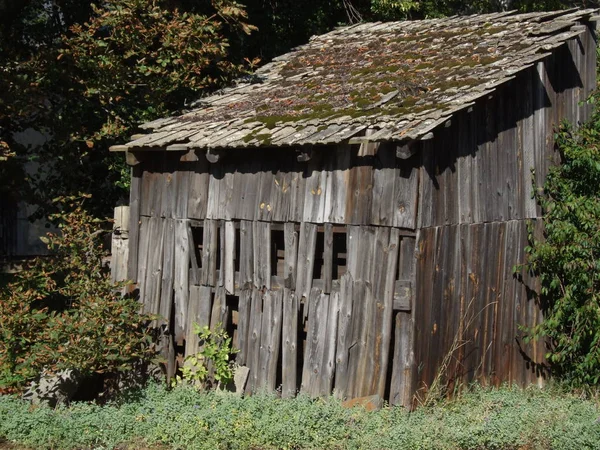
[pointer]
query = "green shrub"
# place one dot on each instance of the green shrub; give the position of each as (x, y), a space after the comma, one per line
(63, 312)
(567, 258)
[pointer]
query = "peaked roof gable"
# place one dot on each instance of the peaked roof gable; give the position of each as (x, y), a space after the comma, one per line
(397, 79)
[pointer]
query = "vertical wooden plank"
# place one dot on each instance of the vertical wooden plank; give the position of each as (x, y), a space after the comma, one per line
(494, 278)
(344, 338)
(221, 258)
(402, 383)
(337, 193)
(215, 181)
(265, 203)
(427, 243)
(361, 301)
(291, 254)
(406, 189)
(154, 270)
(262, 254)
(315, 343)
(220, 311)
(360, 185)
(297, 191)
(146, 266)
(134, 222)
(254, 335)
(246, 254)
(168, 274)
(426, 185)
(199, 312)
(384, 175)
(476, 133)
(270, 341)
(463, 168)
(181, 281)
(384, 324)
(198, 189)
(209, 253)
(328, 257)
(229, 257)
(329, 351)
(527, 147)
(289, 354)
(316, 183)
(119, 250)
(182, 188)
(281, 192)
(246, 185)
(142, 258)
(306, 258)
(195, 274)
(145, 190)
(244, 308)
(228, 198)
(354, 260)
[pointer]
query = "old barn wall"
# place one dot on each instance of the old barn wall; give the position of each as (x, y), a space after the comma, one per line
(476, 194)
(357, 272)
(303, 262)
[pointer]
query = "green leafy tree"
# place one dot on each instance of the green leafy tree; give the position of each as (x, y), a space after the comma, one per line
(63, 312)
(567, 259)
(86, 79)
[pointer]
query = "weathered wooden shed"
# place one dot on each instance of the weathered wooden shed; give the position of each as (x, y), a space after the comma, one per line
(354, 210)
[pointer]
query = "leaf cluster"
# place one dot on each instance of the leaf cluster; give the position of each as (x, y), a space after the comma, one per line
(211, 366)
(84, 79)
(63, 312)
(567, 257)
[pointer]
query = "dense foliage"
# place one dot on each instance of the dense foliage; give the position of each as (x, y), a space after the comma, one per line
(184, 419)
(85, 80)
(63, 312)
(567, 258)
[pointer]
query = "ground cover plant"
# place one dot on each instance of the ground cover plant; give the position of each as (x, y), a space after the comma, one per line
(183, 418)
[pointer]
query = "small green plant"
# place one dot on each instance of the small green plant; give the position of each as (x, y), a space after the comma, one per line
(211, 366)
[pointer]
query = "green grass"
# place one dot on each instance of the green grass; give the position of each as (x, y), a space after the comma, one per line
(183, 419)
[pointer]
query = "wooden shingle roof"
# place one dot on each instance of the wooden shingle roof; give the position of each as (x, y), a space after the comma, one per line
(399, 80)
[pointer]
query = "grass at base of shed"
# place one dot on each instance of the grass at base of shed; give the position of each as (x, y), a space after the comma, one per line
(506, 418)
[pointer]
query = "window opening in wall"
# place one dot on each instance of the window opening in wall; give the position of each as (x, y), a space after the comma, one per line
(198, 244)
(277, 251)
(319, 256)
(340, 253)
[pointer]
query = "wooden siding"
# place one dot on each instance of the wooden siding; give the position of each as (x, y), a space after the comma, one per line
(338, 318)
(479, 168)
(358, 185)
(356, 272)
(470, 305)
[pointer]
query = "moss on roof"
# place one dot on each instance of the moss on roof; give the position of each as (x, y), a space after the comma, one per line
(375, 75)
